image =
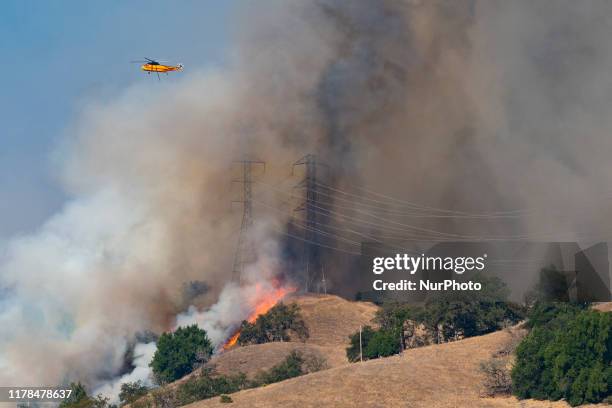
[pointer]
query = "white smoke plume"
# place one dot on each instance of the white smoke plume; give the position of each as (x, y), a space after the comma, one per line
(143, 354)
(238, 300)
(151, 210)
(150, 175)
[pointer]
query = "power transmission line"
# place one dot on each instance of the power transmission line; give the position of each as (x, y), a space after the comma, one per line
(413, 205)
(315, 243)
(384, 207)
(340, 238)
(429, 233)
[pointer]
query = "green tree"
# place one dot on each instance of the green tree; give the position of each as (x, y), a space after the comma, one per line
(466, 314)
(352, 352)
(566, 356)
(208, 385)
(445, 317)
(374, 343)
(450, 319)
(179, 353)
(80, 399)
(383, 343)
(553, 315)
(289, 368)
(132, 391)
(392, 315)
(275, 325)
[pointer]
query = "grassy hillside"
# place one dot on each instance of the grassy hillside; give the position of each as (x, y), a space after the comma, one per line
(445, 375)
(330, 320)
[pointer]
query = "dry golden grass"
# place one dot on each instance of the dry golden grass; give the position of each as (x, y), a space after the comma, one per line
(330, 320)
(251, 359)
(603, 306)
(445, 375)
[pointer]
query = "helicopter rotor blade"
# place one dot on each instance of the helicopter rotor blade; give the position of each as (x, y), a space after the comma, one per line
(154, 61)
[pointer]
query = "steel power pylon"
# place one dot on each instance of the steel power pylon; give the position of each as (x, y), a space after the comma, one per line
(245, 252)
(312, 208)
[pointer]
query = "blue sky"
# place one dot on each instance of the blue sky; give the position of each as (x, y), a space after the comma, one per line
(57, 54)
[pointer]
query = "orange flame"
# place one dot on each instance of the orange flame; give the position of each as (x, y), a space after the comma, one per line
(265, 301)
(232, 341)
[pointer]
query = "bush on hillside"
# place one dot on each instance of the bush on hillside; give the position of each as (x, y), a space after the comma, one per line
(225, 399)
(288, 368)
(179, 353)
(208, 385)
(77, 396)
(445, 317)
(450, 319)
(374, 343)
(384, 343)
(162, 397)
(352, 352)
(497, 380)
(553, 315)
(567, 355)
(456, 315)
(393, 315)
(80, 399)
(275, 325)
(132, 391)
(314, 362)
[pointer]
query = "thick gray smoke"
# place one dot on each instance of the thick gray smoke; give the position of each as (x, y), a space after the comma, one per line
(469, 106)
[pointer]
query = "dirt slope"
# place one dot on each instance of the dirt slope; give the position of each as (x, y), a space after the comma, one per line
(603, 306)
(445, 375)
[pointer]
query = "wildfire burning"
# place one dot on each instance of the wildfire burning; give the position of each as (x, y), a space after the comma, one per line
(263, 301)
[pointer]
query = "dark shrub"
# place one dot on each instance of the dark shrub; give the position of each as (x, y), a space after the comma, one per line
(208, 386)
(444, 317)
(497, 379)
(179, 353)
(289, 368)
(566, 355)
(456, 315)
(79, 399)
(130, 392)
(225, 399)
(352, 352)
(383, 343)
(553, 315)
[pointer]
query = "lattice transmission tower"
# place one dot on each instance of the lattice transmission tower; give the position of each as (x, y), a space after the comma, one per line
(245, 251)
(314, 211)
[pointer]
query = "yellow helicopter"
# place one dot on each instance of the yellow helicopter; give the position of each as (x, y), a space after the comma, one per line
(149, 65)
